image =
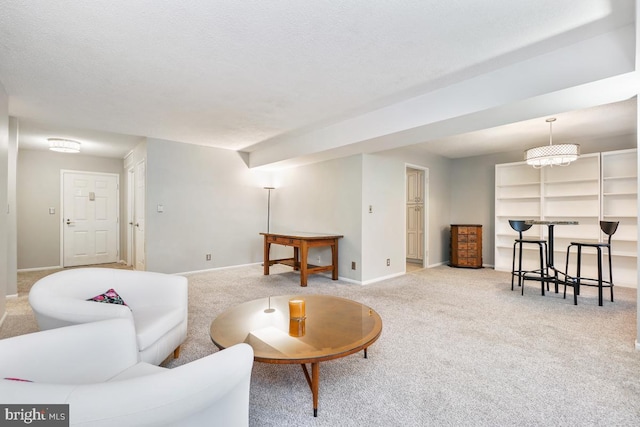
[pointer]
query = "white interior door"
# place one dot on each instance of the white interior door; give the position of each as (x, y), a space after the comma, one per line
(415, 215)
(90, 218)
(140, 189)
(415, 235)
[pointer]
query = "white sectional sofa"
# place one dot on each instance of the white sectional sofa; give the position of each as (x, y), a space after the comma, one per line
(94, 368)
(157, 305)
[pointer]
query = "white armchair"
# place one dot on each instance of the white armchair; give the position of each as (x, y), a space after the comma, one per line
(157, 304)
(94, 368)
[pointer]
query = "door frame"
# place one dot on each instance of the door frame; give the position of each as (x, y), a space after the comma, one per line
(137, 237)
(425, 211)
(130, 214)
(62, 213)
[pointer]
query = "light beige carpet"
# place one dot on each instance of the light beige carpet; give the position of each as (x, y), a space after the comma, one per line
(458, 347)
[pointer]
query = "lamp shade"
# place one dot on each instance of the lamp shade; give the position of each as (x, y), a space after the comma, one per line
(63, 145)
(552, 155)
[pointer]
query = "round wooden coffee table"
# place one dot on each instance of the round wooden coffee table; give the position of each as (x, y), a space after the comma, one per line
(333, 328)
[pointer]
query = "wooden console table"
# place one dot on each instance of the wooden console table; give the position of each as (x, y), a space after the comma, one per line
(301, 242)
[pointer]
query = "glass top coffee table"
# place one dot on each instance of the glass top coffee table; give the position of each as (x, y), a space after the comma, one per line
(333, 328)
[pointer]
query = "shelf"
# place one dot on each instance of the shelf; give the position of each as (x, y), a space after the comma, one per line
(612, 178)
(571, 181)
(519, 198)
(572, 216)
(624, 254)
(524, 248)
(622, 240)
(518, 184)
(592, 253)
(573, 196)
(620, 194)
(513, 235)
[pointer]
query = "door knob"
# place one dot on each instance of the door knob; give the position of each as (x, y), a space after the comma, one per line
(137, 225)
(69, 222)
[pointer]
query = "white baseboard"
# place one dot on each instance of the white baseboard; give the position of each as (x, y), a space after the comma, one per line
(438, 264)
(229, 267)
(345, 279)
(380, 279)
(24, 270)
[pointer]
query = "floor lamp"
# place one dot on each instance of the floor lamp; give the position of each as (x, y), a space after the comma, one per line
(269, 206)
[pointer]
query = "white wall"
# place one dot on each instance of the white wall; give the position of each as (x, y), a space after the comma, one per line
(439, 197)
(4, 142)
(324, 197)
(38, 189)
(384, 228)
(213, 204)
(12, 230)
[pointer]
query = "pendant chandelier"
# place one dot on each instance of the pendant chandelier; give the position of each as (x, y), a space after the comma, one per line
(63, 145)
(552, 155)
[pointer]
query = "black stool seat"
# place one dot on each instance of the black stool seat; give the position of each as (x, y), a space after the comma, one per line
(608, 228)
(531, 241)
(522, 275)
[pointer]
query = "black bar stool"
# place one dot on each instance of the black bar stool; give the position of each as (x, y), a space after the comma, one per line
(608, 228)
(520, 226)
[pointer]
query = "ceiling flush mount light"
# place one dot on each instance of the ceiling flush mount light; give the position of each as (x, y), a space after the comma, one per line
(63, 145)
(552, 155)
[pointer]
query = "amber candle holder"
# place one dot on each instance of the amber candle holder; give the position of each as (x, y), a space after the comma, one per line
(296, 308)
(297, 327)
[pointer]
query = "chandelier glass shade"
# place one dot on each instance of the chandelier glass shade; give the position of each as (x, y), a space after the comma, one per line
(63, 145)
(552, 155)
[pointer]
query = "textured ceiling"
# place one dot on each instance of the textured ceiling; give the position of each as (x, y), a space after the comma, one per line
(237, 75)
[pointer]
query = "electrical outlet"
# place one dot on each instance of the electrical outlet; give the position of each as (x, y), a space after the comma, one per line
(353, 265)
(208, 257)
(388, 262)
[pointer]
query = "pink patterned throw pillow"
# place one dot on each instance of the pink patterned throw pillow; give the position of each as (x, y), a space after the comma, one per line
(110, 297)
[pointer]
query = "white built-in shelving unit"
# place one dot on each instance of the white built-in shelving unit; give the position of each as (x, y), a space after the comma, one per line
(598, 186)
(620, 203)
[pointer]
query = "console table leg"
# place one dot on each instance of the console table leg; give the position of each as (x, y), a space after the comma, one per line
(266, 262)
(334, 260)
(304, 252)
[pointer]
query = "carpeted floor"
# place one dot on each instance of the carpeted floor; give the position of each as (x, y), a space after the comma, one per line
(458, 347)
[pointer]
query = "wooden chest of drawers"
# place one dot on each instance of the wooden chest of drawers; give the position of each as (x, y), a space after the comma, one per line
(466, 245)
